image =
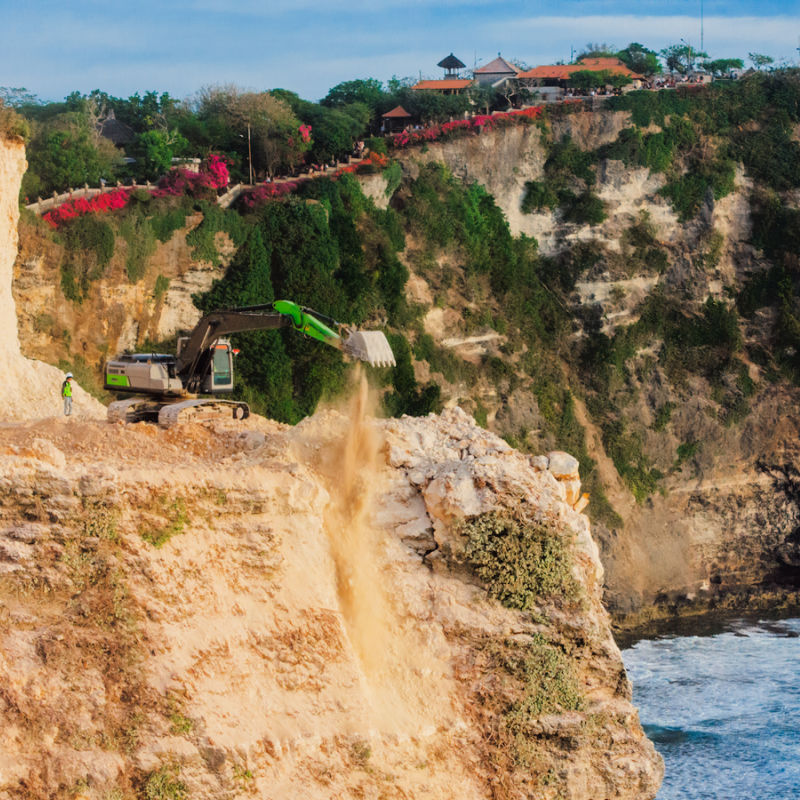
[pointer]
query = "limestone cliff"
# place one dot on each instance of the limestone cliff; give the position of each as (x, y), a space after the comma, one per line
(280, 612)
(28, 389)
(720, 531)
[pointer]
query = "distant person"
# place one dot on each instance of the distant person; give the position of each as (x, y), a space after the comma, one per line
(66, 393)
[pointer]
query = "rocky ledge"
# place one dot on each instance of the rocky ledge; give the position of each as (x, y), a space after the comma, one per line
(347, 608)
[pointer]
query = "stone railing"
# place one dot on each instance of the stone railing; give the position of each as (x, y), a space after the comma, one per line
(41, 206)
(227, 199)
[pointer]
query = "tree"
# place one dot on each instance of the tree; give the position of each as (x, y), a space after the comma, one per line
(681, 57)
(760, 61)
(304, 257)
(597, 50)
(585, 79)
(63, 154)
(16, 97)
(276, 141)
(154, 151)
(723, 66)
(639, 59)
(368, 91)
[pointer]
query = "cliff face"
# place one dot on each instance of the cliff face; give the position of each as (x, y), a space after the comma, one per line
(721, 525)
(28, 389)
(273, 612)
(117, 314)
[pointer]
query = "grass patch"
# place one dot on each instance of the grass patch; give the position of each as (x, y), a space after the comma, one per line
(165, 784)
(519, 561)
(177, 519)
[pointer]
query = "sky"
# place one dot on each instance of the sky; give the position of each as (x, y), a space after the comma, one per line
(179, 46)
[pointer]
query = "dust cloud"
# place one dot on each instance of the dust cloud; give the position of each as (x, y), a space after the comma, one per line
(405, 680)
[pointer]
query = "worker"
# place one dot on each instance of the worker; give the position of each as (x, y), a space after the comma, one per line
(66, 393)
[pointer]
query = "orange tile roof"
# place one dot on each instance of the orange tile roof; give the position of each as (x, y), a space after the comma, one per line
(397, 112)
(448, 83)
(563, 71)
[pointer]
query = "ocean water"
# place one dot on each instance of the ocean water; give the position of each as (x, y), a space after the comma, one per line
(723, 710)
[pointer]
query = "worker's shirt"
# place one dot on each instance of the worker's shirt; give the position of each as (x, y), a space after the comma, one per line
(66, 389)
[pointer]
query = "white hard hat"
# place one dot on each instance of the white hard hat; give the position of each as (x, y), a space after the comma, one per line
(69, 374)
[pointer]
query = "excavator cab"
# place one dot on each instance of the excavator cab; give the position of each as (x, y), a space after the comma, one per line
(219, 377)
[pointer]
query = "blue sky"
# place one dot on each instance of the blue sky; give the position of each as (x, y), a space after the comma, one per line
(307, 46)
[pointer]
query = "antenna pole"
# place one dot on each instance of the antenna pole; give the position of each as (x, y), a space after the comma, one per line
(701, 26)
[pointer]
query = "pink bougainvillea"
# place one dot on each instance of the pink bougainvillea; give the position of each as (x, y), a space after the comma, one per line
(213, 175)
(457, 126)
(99, 204)
(268, 191)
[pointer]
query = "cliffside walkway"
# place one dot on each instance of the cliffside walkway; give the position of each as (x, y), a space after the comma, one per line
(42, 206)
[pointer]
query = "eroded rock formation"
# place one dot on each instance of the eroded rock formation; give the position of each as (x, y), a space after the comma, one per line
(286, 612)
(28, 389)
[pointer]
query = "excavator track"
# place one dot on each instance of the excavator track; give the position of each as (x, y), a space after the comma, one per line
(134, 409)
(166, 415)
(200, 409)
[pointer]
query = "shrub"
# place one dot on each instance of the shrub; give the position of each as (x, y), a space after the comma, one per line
(177, 519)
(688, 192)
(165, 223)
(377, 144)
(549, 680)
(165, 784)
(393, 175)
(625, 450)
(536, 196)
(686, 451)
(12, 125)
(583, 209)
(137, 231)
(160, 288)
(663, 416)
(408, 397)
(519, 561)
(202, 239)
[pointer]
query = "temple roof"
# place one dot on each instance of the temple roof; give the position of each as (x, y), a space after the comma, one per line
(498, 66)
(397, 112)
(451, 62)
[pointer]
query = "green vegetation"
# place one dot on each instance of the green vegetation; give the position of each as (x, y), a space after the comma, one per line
(550, 685)
(138, 234)
(177, 518)
(520, 561)
(13, 125)
(203, 238)
(165, 784)
(89, 246)
(538, 196)
(160, 288)
(663, 416)
(567, 167)
(641, 250)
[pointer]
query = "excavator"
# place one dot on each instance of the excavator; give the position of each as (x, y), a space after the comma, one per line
(168, 385)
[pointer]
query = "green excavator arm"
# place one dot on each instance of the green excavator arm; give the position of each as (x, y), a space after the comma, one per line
(305, 321)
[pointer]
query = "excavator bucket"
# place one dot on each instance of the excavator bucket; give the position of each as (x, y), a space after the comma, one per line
(369, 346)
